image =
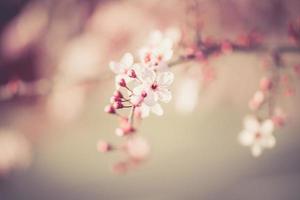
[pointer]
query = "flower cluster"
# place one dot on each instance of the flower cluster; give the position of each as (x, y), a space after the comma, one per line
(259, 127)
(141, 86)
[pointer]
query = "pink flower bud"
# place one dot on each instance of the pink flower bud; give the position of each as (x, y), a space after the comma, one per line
(278, 121)
(103, 146)
(118, 94)
(265, 84)
(125, 128)
(257, 100)
(132, 74)
(114, 99)
(118, 105)
(144, 94)
(122, 82)
(109, 109)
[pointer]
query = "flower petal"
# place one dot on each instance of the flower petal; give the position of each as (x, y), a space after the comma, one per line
(165, 79)
(251, 123)
(164, 95)
(157, 109)
(115, 67)
(246, 138)
(148, 76)
(256, 150)
(151, 98)
(269, 142)
(145, 110)
(267, 127)
(127, 59)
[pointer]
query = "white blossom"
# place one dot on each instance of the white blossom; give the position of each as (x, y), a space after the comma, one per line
(156, 86)
(258, 135)
(157, 52)
(122, 68)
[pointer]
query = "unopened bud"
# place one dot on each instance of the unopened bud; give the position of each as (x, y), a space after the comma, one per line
(109, 109)
(118, 105)
(265, 84)
(122, 82)
(118, 94)
(144, 94)
(132, 74)
(103, 146)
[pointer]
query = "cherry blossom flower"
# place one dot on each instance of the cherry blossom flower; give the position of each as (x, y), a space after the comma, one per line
(156, 86)
(258, 135)
(157, 52)
(122, 68)
(142, 109)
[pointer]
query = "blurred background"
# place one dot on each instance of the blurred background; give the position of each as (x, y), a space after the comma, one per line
(55, 82)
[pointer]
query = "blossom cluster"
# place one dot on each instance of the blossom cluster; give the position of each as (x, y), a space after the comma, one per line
(259, 127)
(140, 86)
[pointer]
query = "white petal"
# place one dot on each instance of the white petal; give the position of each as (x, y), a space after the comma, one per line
(145, 110)
(127, 59)
(167, 55)
(164, 95)
(162, 67)
(157, 109)
(148, 76)
(270, 142)
(251, 123)
(165, 79)
(115, 67)
(138, 68)
(139, 89)
(256, 150)
(246, 138)
(267, 127)
(151, 98)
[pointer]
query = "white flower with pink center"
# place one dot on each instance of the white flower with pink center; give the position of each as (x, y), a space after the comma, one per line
(156, 86)
(123, 68)
(258, 135)
(157, 52)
